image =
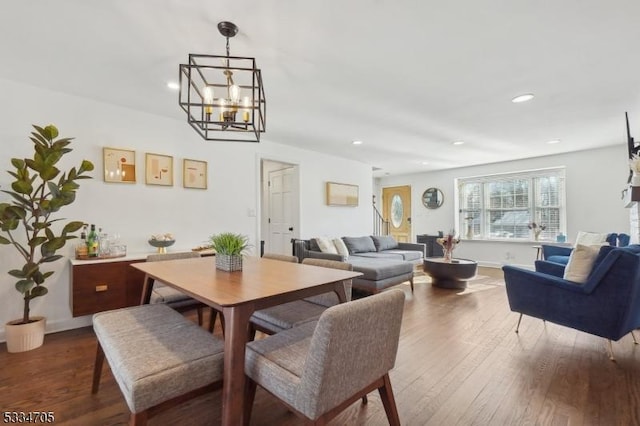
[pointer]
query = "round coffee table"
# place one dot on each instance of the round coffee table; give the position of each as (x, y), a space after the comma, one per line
(452, 274)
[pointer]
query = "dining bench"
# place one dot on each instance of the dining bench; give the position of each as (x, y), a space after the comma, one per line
(158, 357)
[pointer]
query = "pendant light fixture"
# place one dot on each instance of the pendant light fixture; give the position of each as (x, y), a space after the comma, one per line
(223, 96)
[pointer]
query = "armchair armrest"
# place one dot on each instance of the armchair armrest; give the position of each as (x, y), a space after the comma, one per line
(520, 276)
(550, 250)
(421, 247)
(550, 268)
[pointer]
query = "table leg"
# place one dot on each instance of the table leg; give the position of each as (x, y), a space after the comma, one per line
(236, 322)
(147, 288)
(339, 289)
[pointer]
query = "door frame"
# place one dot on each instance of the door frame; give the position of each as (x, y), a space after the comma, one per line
(261, 193)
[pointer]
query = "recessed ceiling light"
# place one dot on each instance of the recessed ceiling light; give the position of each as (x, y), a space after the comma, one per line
(424, 163)
(458, 142)
(357, 142)
(173, 85)
(552, 141)
(522, 98)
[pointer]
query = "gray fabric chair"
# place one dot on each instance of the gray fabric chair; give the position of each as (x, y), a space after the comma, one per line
(174, 298)
(319, 370)
(283, 317)
(158, 357)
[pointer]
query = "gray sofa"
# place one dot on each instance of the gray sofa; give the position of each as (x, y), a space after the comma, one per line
(383, 261)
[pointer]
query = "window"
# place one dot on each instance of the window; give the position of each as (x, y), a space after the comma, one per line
(502, 206)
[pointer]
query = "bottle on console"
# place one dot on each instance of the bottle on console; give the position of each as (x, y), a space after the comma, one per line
(92, 242)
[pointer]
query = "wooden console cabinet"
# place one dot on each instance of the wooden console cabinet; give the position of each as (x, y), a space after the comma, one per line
(102, 285)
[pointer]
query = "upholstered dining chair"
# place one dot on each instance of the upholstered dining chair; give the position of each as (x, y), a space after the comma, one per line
(173, 298)
(282, 317)
(318, 370)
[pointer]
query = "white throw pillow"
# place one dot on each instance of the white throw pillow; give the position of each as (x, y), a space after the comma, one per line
(341, 247)
(581, 262)
(590, 239)
(326, 245)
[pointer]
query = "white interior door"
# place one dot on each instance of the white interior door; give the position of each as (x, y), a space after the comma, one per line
(282, 203)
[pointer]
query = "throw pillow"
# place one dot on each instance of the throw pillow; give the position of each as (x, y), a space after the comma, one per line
(384, 242)
(341, 247)
(326, 245)
(359, 244)
(590, 238)
(580, 263)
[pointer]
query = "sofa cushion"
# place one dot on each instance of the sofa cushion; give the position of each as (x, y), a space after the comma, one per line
(359, 244)
(407, 255)
(384, 242)
(313, 245)
(326, 245)
(379, 255)
(375, 269)
(341, 247)
(581, 263)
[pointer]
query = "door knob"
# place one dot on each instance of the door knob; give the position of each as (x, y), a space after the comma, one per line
(291, 228)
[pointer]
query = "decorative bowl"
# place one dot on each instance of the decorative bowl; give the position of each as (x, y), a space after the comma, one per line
(162, 245)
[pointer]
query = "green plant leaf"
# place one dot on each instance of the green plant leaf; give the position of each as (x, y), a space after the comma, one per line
(3, 240)
(86, 166)
(48, 273)
(50, 132)
(35, 242)
(49, 259)
(17, 273)
(38, 291)
(22, 187)
(18, 163)
(24, 286)
(49, 172)
(72, 227)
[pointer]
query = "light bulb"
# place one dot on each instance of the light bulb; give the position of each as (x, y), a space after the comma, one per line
(234, 93)
(245, 113)
(207, 94)
(222, 104)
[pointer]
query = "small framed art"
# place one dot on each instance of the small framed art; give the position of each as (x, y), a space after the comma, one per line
(194, 174)
(119, 165)
(342, 194)
(158, 169)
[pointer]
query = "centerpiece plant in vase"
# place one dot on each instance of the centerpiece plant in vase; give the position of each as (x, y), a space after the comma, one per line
(448, 243)
(229, 248)
(39, 191)
(537, 229)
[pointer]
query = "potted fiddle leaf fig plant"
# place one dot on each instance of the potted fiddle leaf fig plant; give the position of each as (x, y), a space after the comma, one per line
(229, 249)
(39, 191)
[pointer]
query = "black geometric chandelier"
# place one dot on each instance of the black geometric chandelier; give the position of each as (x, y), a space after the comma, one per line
(223, 96)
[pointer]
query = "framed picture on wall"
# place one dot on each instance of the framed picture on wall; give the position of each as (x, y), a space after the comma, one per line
(158, 169)
(119, 165)
(342, 194)
(194, 174)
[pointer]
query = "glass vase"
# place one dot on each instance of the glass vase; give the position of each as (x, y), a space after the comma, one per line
(448, 253)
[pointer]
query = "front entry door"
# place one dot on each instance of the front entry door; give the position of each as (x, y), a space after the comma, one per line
(396, 205)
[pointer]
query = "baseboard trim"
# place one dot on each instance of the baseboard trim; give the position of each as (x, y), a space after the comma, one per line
(60, 325)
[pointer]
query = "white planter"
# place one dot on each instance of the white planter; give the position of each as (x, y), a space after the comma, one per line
(24, 337)
(635, 180)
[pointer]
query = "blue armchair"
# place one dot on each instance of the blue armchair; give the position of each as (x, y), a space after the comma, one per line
(607, 305)
(560, 254)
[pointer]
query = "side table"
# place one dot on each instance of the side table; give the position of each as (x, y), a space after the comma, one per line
(452, 274)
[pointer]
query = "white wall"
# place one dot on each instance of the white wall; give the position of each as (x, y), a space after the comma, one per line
(136, 211)
(594, 181)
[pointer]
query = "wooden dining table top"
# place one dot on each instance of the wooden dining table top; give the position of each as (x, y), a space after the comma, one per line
(259, 279)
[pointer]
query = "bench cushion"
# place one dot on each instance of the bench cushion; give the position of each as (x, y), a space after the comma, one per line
(287, 315)
(156, 354)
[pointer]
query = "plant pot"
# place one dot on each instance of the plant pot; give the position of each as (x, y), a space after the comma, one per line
(24, 337)
(228, 263)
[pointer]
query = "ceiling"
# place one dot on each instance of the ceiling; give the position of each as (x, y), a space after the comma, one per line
(406, 77)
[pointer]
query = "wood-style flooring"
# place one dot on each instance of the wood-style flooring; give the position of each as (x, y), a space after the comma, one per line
(459, 363)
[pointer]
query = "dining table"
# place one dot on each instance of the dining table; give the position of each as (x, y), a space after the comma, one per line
(260, 284)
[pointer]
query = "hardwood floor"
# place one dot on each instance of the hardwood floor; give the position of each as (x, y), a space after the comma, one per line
(459, 363)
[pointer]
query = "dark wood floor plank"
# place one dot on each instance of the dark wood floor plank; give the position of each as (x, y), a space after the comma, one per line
(459, 363)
